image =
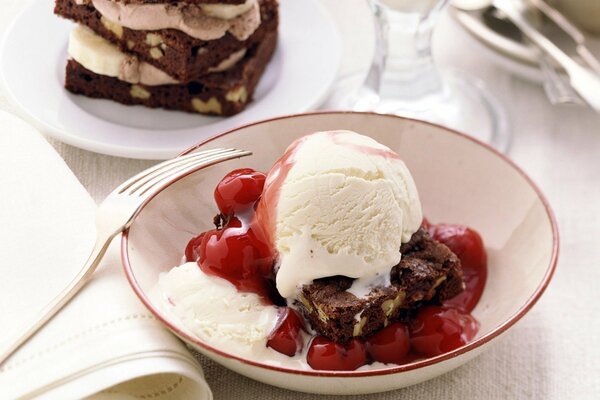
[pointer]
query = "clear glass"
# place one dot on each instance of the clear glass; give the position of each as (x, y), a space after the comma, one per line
(404, 80)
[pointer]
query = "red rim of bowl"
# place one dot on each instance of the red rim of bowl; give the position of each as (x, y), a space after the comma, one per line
(384, 371)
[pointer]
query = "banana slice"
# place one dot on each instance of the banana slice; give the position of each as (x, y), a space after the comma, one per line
(104, 58)
(95, 53)
(226, 11)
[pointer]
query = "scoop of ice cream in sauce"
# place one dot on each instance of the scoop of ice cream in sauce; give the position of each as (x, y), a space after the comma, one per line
(337, 203)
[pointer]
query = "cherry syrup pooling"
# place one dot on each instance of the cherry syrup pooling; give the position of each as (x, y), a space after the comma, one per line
(468, 246)
(238, 251)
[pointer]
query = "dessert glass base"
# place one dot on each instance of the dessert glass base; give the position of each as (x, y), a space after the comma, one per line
(404, 80)
(462, 104)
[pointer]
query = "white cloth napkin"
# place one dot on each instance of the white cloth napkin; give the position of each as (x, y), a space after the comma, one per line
(104, 340)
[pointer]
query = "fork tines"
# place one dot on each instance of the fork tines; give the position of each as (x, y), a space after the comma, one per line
(149, 178)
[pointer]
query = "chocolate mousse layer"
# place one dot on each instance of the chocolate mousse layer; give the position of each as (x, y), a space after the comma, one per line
(180, 55)
(427, 273)
(181, 1)
(219, 93)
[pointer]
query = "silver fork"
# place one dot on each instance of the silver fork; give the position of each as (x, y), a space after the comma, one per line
(114, 215)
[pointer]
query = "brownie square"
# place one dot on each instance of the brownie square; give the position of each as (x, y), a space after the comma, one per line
(427, 273)
(223, 93)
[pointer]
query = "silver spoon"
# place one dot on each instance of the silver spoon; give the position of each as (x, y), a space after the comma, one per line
(555, 85)
(584, 79)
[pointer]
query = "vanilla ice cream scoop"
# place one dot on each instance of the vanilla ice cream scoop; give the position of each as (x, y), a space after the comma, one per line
(212, 309)
(337, 203)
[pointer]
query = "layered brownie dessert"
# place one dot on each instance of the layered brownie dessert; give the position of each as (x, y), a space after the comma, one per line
(326, 260)
(203, 56)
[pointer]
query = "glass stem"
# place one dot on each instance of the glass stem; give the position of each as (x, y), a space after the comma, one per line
(403, 67)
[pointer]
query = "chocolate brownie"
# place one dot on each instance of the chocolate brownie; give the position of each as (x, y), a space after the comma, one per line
(182, 1)
(183, 57)
(224, 93)
(427, 273)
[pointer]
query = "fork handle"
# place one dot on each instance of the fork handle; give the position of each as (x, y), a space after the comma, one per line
(558, 90)
(78, 282)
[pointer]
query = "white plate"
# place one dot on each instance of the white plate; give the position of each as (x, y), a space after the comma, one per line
(297, 79)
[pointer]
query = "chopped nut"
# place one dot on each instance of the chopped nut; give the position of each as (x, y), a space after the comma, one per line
(305, 301)
(237, 95)
(139, 92)
(358, 327)
(437, 283)
(156, 53)
(130, 44)
(322, 316)
(390, 306)
(212, 105)
(153, 39)
(418, 296)
(387, 307)
(163, 46)
(113, 27)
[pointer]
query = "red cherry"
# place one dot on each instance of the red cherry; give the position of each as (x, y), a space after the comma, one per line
(191, 250)
(468, 246)
(464, 242)
(390, 345)
(239, 190)
(327, 355)
(438, 330)
(238, 253)
(285, 337)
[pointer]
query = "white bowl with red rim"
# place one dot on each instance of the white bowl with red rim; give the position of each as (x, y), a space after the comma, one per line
(460, 180)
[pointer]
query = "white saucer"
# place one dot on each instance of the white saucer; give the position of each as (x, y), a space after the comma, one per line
(297, 79)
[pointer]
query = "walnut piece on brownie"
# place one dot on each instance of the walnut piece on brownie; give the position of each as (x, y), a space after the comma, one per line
(428, 272)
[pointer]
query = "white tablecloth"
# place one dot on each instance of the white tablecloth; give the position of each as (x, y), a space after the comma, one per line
(553, 352)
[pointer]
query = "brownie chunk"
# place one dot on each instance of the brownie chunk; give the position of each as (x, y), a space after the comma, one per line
(223, 93)
(182, 1)
(181, 56)
(427, 273)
